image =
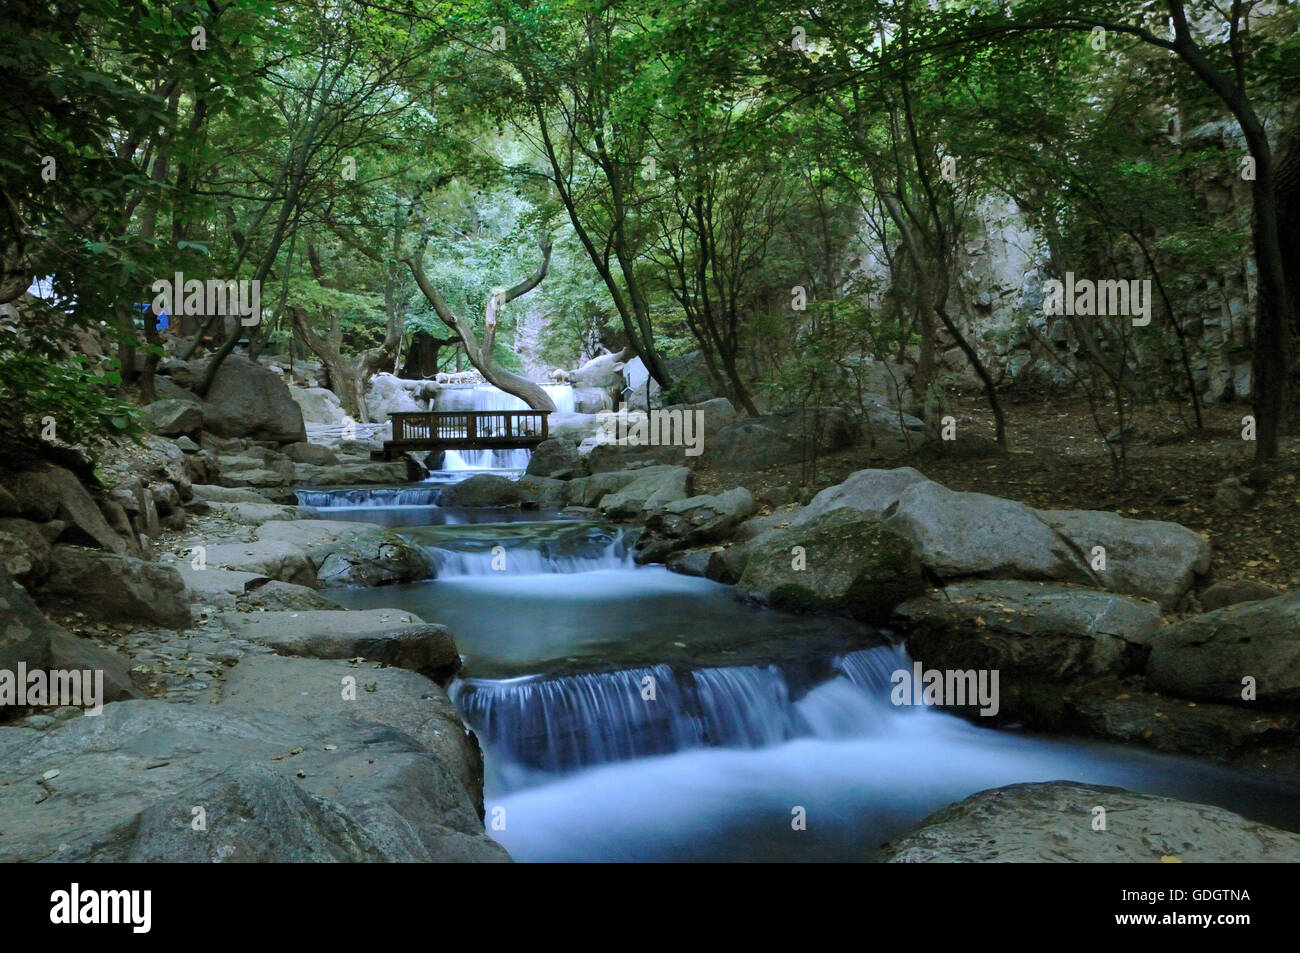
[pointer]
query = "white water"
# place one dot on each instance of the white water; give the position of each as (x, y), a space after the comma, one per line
(493, 398)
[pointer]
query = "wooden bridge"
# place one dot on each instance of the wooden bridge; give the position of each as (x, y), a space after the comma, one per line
(465, 430)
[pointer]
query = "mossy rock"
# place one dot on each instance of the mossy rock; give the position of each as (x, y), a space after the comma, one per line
(846, 562)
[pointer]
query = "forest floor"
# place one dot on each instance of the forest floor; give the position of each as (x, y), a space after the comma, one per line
(1059, 460)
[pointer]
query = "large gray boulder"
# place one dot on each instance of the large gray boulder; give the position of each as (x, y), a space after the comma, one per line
(391, 636)
(693, 521)
(55, 493)
(588, 491)
(318, 405)
(1037, 631)
(247, 400)
(273, 785)
(841, 561)
(1052, 822)
(751, 443)
(387, 394)
(1210, 655)
(558, 459)
(117, 588)
(484, 489)
(1148, 558)
(350, 553)
(173, 417)
(871, 492)
(650, 489)
(973, 534)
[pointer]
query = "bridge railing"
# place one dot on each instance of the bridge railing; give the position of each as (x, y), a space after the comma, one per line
(470, 425)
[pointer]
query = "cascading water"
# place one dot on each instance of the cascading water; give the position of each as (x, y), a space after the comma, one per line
(493, 398)
(557, 725)
(635, 714)
(364, 497)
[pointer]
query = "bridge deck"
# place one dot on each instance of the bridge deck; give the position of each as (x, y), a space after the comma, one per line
(465, 430)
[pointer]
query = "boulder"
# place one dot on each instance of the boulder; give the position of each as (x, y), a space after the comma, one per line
(387, 395)
(284, 595)
(870, 492)
(117, 588)
(542, 491)
(1052, 822)
(790, 436)
(396, 697)
(273, 559)
(228, 494)
(1232, 591)
(558, 459)
(973, 534)
(53, 492)
(220, 588)
(588, 491)
(1043, 632)
(247, 400)
(24, 550)
(9, 505)
(1210, 655)
(318, 405)
(485, 489)
(25, 633)
(689, 562)
(391, 636)
(694, 521)
(650, 489)
(312, 453)
(350, 553)
(601, 372)
(71, 652)
(172, 417)
(841, 561)
(1148, 558)
(274, 785)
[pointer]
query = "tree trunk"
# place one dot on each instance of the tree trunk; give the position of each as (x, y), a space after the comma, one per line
(480, 355)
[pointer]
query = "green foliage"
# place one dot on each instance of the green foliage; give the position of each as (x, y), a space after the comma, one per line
(74, 394)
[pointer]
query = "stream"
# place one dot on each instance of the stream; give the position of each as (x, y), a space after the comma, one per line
(628, 713)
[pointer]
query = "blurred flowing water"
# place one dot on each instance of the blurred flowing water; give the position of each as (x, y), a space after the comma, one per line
(629, 713)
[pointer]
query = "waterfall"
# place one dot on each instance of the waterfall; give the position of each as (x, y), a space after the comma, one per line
(492, 398)
(356, 498)
(527, 561)
(558, 724)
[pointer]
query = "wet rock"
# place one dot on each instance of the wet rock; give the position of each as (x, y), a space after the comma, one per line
(1052, 823)
(557, 459)
(350, 553)
(485, 489)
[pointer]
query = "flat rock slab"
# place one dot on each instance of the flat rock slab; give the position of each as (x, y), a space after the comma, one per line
(1052, 823)
(255, 514)
(273, 786)
(391, 636)
(401, 699)
(273, 559)
(346, 553)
